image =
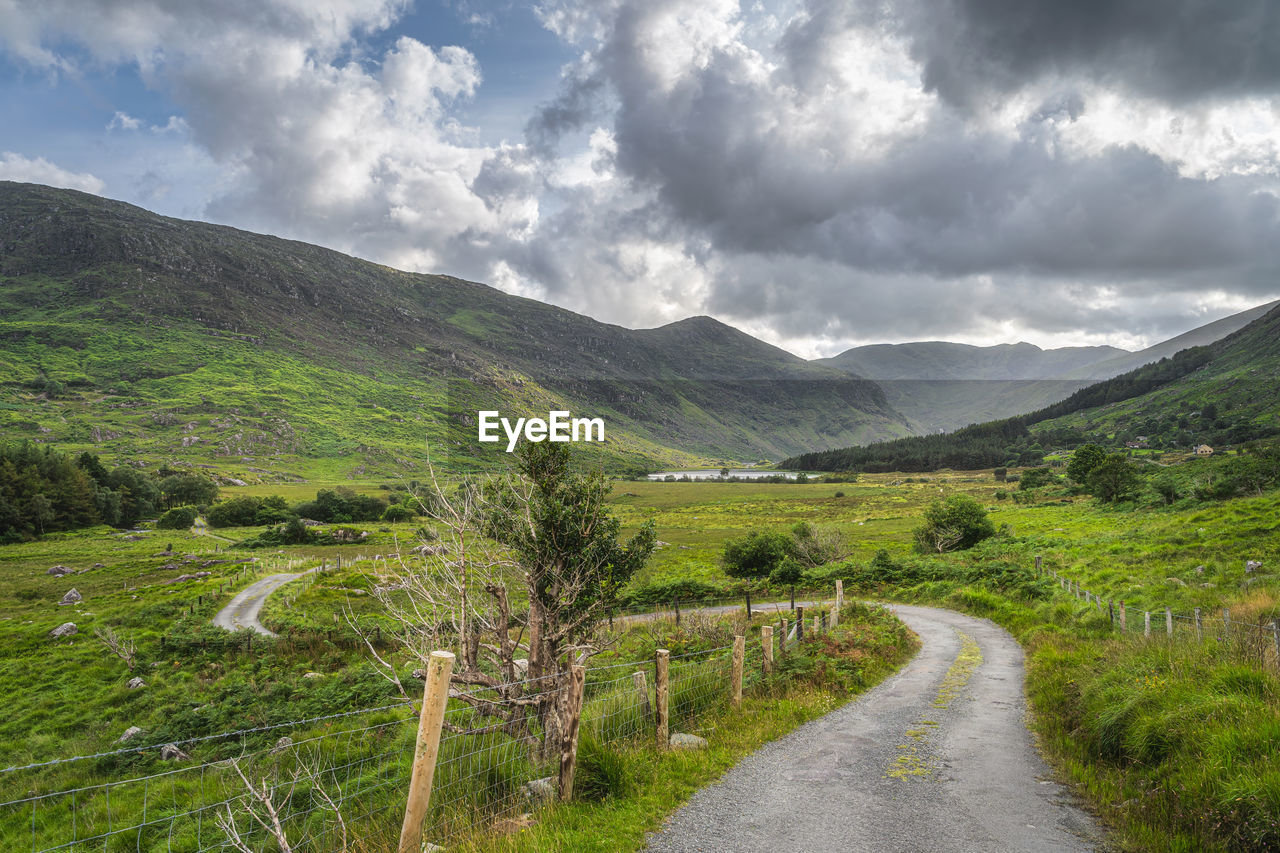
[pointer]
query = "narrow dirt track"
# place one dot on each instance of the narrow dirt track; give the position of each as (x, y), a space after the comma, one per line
(243, 610)
(936, 758)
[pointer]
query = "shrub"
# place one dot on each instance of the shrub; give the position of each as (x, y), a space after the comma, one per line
(398, 512)
(957, 523)
(178, 518)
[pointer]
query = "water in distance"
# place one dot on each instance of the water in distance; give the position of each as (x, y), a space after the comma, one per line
(714, 474)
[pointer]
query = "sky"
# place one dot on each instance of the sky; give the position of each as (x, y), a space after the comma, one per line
(821, 174)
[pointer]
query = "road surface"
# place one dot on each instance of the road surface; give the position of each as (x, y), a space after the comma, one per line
(935, 758)
(243, 610)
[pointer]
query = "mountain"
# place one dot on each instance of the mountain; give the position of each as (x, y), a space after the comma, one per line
(1201, 336)
(1221, 394)
(943, 386)
(133, 334)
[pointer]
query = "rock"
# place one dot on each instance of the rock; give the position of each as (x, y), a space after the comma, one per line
(191, 577)
(170, 752)
(521, 667)
(312, 675)
(1252, 565)
(72, 597)
(1175, 581)
(66, 629)
(1207, 585)
(1200, 569)
(428, 847)
(420, 674)
(540, 790)
(99, 565)
(129, 734)
(59, 571)
(281, 745)
(136, 682)
(680, 740)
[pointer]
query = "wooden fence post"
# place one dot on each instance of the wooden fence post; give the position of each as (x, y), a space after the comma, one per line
(1124, 621)
(435, 698)
(1226, 624)
(799, 624)
(662, 661)
(1168, 621)
(766, 642)
(1199, 627)
(739, 652)
(1146, 624)
(1275, 636)
(835, 612)
(817, 624)
(642, 691)
(1039, 565)
(839, 593)
(1111, 612)
(569, 748)
(676, 603)
(748, 605)
(786, 632)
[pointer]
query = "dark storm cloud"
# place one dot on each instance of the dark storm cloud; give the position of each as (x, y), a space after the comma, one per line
(1174, 50)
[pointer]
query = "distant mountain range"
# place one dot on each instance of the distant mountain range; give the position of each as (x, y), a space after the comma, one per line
(134, 334)
(139, 336)
(942, 386)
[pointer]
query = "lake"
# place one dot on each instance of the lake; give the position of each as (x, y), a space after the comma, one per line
(714, 474)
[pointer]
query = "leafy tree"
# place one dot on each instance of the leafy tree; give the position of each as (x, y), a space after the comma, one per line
(757, 554)
(1113, 480)
(556, 524)
(1084, 460)
(178, 518)
(193, 489)
(1000, 474)
(953, 524)
(1034, 478)
(397, 512)
(273, 509)
(139, 495)
(241, 511)
(1167, 487)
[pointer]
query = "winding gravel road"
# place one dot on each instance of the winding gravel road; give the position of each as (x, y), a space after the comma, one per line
(935, 758)
(243, 610)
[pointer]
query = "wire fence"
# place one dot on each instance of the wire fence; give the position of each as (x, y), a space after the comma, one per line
(338, 782)
(1257, 643)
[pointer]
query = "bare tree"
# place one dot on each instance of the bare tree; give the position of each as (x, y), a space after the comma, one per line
(120, 646)
(260, 805)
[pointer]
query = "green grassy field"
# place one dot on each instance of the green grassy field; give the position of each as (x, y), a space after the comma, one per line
(68, 696)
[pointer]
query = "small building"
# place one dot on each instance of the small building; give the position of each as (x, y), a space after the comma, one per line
(1204, 450)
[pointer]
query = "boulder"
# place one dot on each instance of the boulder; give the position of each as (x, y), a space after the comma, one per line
(72, 597)
(312, 675)
(540, 790)
(170, 752)
(66, 629)
(59, 571)
(136, 682)
(129, 734)
(680, 740)
(1252, 565)
(281, 745)
(1175, 581)
(1200, 569)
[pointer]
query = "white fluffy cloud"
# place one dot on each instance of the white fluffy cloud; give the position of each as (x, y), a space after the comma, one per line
(819, 173)
(15, 167)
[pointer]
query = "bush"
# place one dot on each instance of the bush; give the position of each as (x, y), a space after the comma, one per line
(178, 518)
(398, 512)
(1034, 478)
(957, 523)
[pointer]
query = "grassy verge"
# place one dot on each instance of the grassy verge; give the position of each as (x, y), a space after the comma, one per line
(624, 791)
(1173, 741)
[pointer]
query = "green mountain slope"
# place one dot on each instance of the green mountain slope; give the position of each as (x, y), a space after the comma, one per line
(135, 334)
(944, 386)
(1225, 393)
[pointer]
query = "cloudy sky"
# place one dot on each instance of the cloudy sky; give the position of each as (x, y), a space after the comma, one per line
(820, 173)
